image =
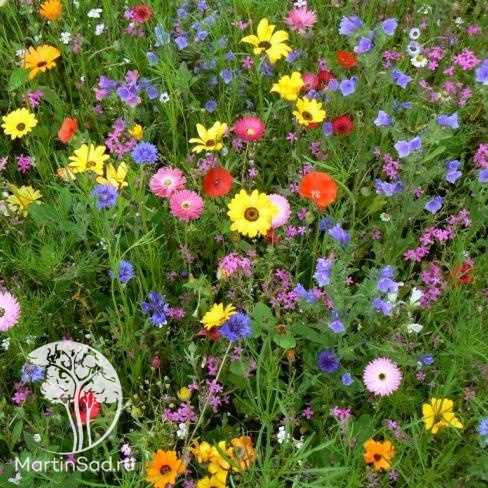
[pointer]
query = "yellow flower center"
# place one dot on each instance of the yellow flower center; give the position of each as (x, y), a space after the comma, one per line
(251, 214)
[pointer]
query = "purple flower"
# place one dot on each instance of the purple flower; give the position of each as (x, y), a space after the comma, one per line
(382, 306)
(434, 204)
(335, 324)
(389, 26)
(323, 270)
(294, 55)
(348, 86)
(383, 119)
(451, 121)
(385, 283)
(327, 361)
(349, 25)
(388, 189)
(347, 379)
(226, 75)
(201, 35)
(401, 79)
(144, 153)
(340, 235)
(481, 72)
(325, 224)
(238, 326)
(364, 45)
(211, 106)
(157, 308)
(31, 373)
(129, 94)
(452, 171)
(405, 148)
(483, 176)
(181, 41)
(152, 58)
(106, 196)
(327, 129)
(267, 69)
(304, 294)
(483, 429)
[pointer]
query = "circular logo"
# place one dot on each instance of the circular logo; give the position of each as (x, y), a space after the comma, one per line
(83, 394)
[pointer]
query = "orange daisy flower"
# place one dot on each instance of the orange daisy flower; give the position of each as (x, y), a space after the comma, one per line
(51, 10)
(164, 468)
(379, 454)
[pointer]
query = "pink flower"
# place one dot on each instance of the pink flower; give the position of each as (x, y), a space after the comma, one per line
(382, 377)
(467, 60)
(9, 311)
(186, 205)
(301, 19)
(166, 181)
(249, 128)
(281, 203)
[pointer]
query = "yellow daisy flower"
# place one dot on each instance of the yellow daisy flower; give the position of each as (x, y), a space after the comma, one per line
(268, 41)
(137, 132)
(88, 158)
(51, 10)
(113, 176)
(184, 394)
(209, 139)
(309, 112)
(215, 481)
(251, 214)
(217, 315)
(18, 123)
(22, 198)
(202, 452)
(40, 59)
(438, 414)
(288, 87)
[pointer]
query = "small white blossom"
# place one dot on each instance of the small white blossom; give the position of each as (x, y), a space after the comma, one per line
(385, 217)
(414, 33)
(458, 21)
(5, 344)
(415, 296)
(419, 61)
(182, 431)
(99, 29)
(164, 97)
(95, 13)
(414, 328)
(414, 48)
(37, 437)
(65, 37)
(282, 435)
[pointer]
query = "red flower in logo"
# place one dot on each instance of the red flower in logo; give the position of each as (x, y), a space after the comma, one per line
(89, 407)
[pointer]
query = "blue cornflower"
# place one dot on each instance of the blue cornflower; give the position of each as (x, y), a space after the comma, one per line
(481, 72)
(31, 373)
(325, 224)
(237, 327)
(211, 106)
(434, 204)
(125, 273)
(294, 55)
(144, 153)
(483, 176)
(304, 294)
(181, 42)
(405, 148)
(327, 361)
(267, 69)
(227, 75)
(383, 119)
(483, 429)
(388, 189)
(106, 196)
(364, 45)
(426, 360)
(323, 271)
(201, 35)
(386, 308)
(152, 58)
(157, 308)
(385, 283)
(327, 129)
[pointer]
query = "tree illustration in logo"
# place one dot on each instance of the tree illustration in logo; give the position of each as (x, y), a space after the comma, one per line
(82, 380)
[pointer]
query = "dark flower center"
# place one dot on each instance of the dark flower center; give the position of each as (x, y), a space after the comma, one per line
(307, 115)
(377, 457)
(90, 164)
(21, 126)
(41, 64)
(164, 469)
(264, 45)
(251, 214)
(210, 143)
(381, 376)
(2, 312)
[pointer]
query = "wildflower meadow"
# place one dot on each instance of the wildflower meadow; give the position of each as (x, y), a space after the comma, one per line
(244, 243)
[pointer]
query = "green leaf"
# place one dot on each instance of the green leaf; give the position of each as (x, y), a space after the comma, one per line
(17, 78)
(263, 317)
(286, 341)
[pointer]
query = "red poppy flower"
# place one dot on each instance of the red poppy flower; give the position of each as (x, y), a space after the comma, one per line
(319, 187)
(68, 129)
(342, 125)
(89, 407)
(464, 272)
(324, 76)
(217, 182)
(141, 13)
(347, 59)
